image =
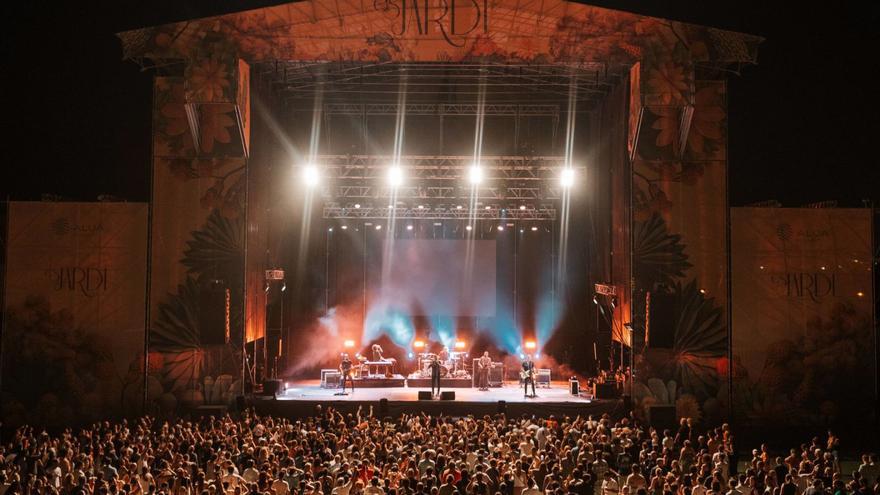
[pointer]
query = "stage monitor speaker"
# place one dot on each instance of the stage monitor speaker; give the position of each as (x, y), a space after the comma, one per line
(271, 387)
(607, 390)
(496, 375)
(447, 395)
(214, 314)
(574, 387)
(661, 329)
(662, 417)
(424, 395)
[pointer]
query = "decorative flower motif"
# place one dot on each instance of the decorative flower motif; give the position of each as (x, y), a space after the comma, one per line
(667, 124)
(208, 81)
(215, 123)
(172, 120)
(707, 124)
(669, 82)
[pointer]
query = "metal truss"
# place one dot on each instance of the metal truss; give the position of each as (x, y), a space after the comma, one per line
(438, 178)
(334, 211)
(536, 110)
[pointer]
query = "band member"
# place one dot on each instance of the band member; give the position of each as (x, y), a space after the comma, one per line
(528, 376)
(485, 364)
(377, 352)
(444, 354)
(345, 369)
(435, 375)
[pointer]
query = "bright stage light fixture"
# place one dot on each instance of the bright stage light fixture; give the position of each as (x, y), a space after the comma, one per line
(458, 207)
(409, 227)
(522, 207)
(566, 178)
(530, 344)
(534, 229)
(311, 176)
(468, 228)
(395, 176)
(419, 344)
(357, 205)
(475, 174)
(378, 227)
(459, 344)
(348, 344)
(500, 228)
(345, 227)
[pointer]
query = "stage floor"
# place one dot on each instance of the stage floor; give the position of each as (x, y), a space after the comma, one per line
(304, 398)
(312, 391)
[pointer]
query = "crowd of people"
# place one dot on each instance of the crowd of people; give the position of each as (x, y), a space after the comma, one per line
(360, 454)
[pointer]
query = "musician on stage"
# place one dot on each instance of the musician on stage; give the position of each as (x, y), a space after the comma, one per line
(444, 354)
(528, 375)
(345, 369)
(435, 375)
(485, 364)
(377, 352)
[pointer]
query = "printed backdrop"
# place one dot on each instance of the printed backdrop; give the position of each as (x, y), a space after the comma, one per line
(802, 343)
(73, 347)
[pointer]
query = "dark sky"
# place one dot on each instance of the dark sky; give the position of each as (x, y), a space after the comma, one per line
(802, 122)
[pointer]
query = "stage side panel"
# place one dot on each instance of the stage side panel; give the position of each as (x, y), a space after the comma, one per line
(802, 323)
(679, 191)
(74, 341)
(197, 227)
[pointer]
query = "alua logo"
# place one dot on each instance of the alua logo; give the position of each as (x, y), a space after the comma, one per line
(62, 226)
(784, 232)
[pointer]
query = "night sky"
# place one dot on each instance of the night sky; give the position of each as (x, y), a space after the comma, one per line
(803, 122)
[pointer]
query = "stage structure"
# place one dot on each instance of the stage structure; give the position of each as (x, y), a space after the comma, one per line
(489, 110)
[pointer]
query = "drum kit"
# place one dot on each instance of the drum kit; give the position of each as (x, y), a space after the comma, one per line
(454, 367)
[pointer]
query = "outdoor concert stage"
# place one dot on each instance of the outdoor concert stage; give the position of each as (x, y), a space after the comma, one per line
(301, 398)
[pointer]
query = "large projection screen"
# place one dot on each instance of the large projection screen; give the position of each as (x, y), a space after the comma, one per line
(439, 277)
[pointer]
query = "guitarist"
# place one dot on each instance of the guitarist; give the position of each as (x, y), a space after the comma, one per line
(528, 376)
(345, 370)
(485, 363)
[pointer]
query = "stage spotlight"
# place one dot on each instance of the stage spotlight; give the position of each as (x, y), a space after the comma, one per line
(409, 227)
(419, 344)
(522, 207)
(330, 229)
(357, 205)
(345, 227)
(537, 355)
(566, 178)
(409, 355)
(500, 228)
(421, 207)
(348, 344)
(395, 176)
(378, 227)
(283, 286)
(860, 294)
(468, 228)
(488, 207)
(530, 344)
(311, 175)
(534, 229)
(458, 207)
(475, 174)
(459, 344)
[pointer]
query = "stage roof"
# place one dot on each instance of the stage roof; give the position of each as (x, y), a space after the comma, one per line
(446, 31)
